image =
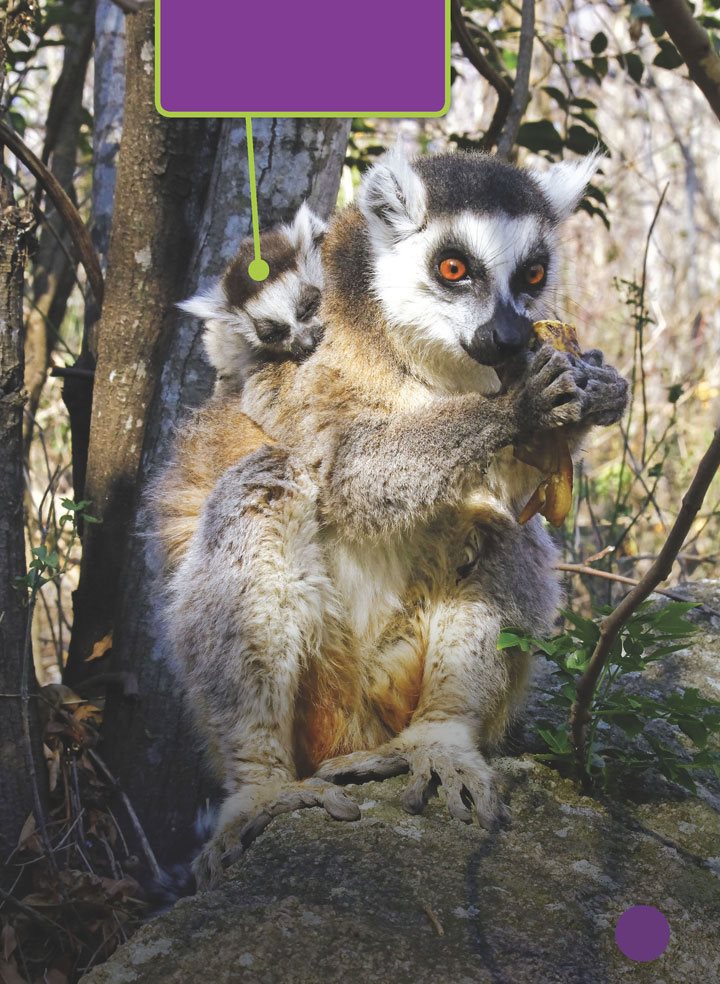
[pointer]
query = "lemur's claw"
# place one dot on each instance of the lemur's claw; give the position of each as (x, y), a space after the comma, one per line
(239, 830)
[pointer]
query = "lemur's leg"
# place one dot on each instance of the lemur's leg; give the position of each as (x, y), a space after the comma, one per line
(245, 615)
(470, 689)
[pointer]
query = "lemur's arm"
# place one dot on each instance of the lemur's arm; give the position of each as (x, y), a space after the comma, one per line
(389, 470)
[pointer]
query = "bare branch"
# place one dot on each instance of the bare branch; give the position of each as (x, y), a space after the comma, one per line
(611, 626)
(65, 208)
(521, 86)
(478, 60)
(694, 44)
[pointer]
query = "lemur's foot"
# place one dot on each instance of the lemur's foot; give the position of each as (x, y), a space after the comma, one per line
(245, 815)
(463, 775)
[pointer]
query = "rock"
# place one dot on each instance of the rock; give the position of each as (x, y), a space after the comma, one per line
(395, 899)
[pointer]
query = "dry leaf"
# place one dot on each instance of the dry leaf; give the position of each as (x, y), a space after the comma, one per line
(28, 832)
(9, 941)
(100, 648)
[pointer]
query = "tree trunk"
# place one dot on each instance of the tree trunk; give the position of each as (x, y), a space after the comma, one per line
(151, 747)
(54, 264)
(16, 793)
(150, 246)
(108, 106)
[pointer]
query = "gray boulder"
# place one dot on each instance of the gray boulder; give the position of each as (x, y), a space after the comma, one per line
(395, 899)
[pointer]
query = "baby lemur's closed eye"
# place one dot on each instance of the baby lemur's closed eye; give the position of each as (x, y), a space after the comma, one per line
(249, 323)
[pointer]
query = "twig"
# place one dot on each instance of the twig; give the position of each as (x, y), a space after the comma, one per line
(64, 206)
(641, 307)
(694, 44)
(30, 912)
(478, 60)
(521, 86)
(621, 579)
(611, 626)
(434, 921)
(137, 826)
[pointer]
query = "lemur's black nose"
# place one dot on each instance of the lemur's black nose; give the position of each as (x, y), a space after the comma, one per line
(511, 331)
(500, 338)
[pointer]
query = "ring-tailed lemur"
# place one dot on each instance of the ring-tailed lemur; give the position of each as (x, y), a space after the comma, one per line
(336, 637)
(248, 324)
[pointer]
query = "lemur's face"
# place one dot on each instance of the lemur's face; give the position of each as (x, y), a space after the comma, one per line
(464, 251)
(277, 317)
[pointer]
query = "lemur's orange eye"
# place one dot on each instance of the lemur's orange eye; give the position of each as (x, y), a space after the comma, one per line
(452, 268)
(535, 274)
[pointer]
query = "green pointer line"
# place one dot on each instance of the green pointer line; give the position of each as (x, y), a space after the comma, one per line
(258, 269)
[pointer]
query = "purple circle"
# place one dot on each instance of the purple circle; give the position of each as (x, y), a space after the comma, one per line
(642, 933)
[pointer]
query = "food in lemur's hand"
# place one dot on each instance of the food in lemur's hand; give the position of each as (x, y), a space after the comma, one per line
(550, 452)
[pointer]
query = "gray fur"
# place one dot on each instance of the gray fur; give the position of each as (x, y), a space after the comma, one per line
(353, 547)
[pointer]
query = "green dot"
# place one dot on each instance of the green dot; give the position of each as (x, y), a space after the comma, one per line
(259, 270)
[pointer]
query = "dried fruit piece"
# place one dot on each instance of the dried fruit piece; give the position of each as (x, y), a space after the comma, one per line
(550, 453)
(560, 335)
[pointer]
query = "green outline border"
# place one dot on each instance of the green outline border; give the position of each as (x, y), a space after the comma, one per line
(300, 115)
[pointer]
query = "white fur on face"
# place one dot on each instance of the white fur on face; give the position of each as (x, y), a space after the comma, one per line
(434, 320)
(231, 338)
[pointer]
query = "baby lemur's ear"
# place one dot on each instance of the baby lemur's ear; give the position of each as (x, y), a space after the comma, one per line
(306, 231)
(208, 305)
(392, 197)
(563, 184)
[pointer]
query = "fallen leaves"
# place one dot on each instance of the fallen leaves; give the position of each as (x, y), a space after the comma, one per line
(64, 914)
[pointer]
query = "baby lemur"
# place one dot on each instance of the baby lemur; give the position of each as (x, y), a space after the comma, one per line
(248, 324)
(318, 620)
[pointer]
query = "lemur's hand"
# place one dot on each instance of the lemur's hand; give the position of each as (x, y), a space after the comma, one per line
(551, 391)
(606, 391)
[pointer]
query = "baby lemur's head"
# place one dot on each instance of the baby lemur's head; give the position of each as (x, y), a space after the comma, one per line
(464, 252)
(249, 321)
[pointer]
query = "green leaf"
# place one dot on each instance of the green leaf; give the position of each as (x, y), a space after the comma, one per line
(634, 66)
(675, 392)
(586, 629)
(510, 640)
(580, 140)
(556, 94)
(668, 56)
(540, 135)
(630, 723)
(695, 730)
(599, 43)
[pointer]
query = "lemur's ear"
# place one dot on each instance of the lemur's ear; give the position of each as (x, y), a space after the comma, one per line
(207, 305)
(392, 196)
(307, 230)
(563, 184)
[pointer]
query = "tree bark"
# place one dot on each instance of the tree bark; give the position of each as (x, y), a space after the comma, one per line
(16, 798)
(150, 736)
(108, 107)
(149, 250)
(54, 264)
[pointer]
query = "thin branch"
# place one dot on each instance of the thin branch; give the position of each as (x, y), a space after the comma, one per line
(478, 60)
(660, 570)
(64, 206)
(694, 44)
(521, 86)
(621, 579)
(137, 826)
